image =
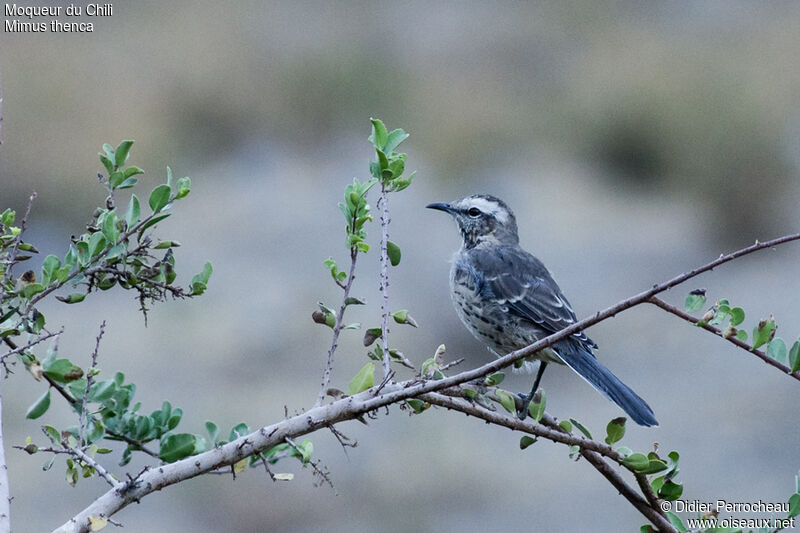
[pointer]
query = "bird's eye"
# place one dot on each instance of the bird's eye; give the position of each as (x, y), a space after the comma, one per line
(474, 212)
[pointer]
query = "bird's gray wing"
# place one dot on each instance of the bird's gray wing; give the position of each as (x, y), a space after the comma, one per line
(518, 280)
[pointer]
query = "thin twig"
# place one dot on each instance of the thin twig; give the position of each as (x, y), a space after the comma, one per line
(452, 364)
(81, 455)
(403, 360)
(343, 439)
(384, 278)
(732, 338)
(20, 349)
(324, 475)
(89, 380)
(105, 474)
(326, 375)
(266, 467)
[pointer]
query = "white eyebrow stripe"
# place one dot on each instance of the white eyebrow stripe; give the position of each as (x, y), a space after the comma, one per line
(491, 207)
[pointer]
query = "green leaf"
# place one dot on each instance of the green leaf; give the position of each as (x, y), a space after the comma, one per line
(115, 179)
(363, 380)
(636, 461)
(239, 430)
(177, 446)
(96, 431)
(184, 187)
(97, 242)
(670, 490)
(536, 410)
(393, 251)
(63, 371)
(133, 212)
(152, 222)
(566, 425)
(32, 289)
(494, 379)
(776, 349)
(128, 183)
(303, 451)
(121, 153)
(132, 171)
(506, 400)
(694, 301)
(200, 281)
(794, 505)
(394, 139)
(213, 432)
(417, 405)
(379, 134)
(159, 198)
(737, 316)
(74, 298)
(50, 268)
(794, 356)
(53, 434)
(762, 332)
(7, 218)
(526, 441)
(741, 335)
(402, 317)
(110, 231)
(615, 430)
(676, 522)
(39, 407)
(109, 166)
(581, 428)
(654, 466)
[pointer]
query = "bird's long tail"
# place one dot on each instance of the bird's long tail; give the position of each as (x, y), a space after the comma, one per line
(589, 368)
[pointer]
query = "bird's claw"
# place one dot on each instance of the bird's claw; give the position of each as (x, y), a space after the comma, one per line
(522, 412)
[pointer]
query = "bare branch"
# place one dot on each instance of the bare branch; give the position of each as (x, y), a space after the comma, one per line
(384, 278)
(326, 375)
(89, 380)
(102, 472)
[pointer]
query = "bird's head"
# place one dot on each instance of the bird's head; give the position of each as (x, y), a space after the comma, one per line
(482, 218)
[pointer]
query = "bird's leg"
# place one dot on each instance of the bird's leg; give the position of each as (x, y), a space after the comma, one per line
(522, 412)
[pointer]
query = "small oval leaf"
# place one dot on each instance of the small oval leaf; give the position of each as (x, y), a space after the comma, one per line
(393, 251)
(39, 407)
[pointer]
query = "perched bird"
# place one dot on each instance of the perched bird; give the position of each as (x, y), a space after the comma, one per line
(508, 300)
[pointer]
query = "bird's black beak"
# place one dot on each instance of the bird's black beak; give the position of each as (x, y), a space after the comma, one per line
(441, 206)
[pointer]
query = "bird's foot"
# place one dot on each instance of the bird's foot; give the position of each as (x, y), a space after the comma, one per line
(522, 410)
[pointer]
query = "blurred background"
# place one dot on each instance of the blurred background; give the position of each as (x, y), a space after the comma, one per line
(634, 141)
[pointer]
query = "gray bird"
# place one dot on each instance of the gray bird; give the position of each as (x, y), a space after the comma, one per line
(508, 300)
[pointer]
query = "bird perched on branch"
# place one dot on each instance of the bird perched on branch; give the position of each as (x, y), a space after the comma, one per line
(508, 300)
